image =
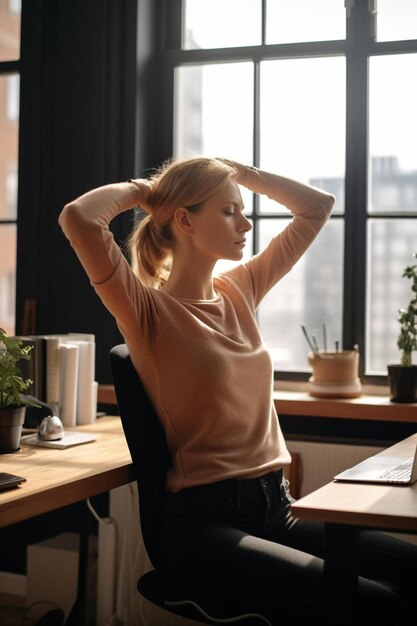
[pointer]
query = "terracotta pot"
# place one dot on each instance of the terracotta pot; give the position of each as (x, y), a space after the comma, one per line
(335, 374)
(11, 422)
(403, 383)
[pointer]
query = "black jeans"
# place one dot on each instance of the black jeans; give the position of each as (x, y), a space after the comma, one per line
(237, 541)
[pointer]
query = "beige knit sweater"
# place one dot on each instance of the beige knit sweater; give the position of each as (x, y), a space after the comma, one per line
(203, 362)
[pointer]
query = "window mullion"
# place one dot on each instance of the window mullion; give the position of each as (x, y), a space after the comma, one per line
(172, 24)
(256, 145)
(354, 297)
(264, 18)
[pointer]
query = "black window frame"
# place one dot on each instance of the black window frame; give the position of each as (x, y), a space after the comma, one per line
(360, 44)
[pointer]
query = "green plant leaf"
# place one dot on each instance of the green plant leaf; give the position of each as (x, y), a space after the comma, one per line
(11, 382)
(407, 317)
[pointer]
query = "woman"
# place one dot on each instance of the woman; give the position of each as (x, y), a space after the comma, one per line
(194, 340)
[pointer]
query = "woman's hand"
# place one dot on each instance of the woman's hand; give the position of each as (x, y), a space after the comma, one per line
(145, 198)
(241, 170)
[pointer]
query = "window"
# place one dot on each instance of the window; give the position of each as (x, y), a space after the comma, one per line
(303, 20)
(392, 193)
(396, 19)
(12, 98)
(325, 93)
(9, 136)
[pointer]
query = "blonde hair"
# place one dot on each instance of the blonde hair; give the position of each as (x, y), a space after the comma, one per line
(184, 183)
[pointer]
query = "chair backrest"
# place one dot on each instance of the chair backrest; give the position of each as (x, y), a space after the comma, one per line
(147, 444)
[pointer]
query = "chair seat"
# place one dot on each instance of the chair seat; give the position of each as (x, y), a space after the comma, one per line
(179, 602)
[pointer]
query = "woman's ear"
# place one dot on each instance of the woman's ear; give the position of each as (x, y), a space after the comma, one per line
(182, 221)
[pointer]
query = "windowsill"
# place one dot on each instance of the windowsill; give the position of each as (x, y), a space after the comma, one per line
(294, 399)
(373, 404)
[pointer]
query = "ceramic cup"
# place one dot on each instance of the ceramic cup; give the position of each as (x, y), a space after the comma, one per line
(335, 374)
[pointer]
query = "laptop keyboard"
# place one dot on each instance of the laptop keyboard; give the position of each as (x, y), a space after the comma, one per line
(402, 472)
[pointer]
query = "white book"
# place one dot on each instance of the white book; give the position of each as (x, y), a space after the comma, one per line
(68, 373)
(52, 366)
(87, 387)
(87, 396)
(82, 337)
(52, 371)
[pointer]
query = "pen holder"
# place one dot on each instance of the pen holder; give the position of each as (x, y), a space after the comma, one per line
(335, 374)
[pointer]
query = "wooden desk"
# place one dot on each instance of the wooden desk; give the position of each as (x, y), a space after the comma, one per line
(346, 507)
(378, 506)
(57, 478)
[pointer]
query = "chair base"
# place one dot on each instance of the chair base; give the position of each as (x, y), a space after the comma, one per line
(151, 587)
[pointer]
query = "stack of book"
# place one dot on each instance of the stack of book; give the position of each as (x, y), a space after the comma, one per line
(62, 368)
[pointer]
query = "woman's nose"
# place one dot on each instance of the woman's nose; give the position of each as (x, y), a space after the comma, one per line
(246, 225)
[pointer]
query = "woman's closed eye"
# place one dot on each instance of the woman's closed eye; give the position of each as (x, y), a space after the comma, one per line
(232, 211)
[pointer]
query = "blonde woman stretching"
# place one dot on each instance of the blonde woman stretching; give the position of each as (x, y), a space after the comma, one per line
(194, 340)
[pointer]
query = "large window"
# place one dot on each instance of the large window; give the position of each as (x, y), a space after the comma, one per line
(9, 133)
(325, 93)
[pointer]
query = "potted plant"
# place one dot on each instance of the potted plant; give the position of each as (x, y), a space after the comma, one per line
(12, 404)
(403, 377)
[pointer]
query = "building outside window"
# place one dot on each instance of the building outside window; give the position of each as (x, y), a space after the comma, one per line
(325, 93)
(9, 138)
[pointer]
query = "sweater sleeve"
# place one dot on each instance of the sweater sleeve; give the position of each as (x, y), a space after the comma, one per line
(310, 208)
(85, 222)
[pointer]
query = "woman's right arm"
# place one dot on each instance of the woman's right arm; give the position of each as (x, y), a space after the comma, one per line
(85, 222)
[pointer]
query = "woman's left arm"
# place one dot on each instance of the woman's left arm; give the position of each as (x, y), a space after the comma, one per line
(310, 207)
(298, 197)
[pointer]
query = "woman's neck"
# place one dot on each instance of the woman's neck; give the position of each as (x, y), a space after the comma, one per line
(188, 290)
(191, 281)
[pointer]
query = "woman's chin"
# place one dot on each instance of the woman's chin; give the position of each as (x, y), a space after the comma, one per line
(237, 253)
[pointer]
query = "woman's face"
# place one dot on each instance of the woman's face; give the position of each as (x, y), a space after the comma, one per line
(219, 226)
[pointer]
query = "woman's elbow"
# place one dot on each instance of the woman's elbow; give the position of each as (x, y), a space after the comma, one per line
(70, 214)
(328, 202)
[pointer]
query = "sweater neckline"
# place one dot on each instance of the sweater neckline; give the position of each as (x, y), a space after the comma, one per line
(214, 300)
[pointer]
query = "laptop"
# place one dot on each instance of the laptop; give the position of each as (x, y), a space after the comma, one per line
(384, 467)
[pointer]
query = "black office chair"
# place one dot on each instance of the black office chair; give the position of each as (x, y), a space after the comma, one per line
(151, 460)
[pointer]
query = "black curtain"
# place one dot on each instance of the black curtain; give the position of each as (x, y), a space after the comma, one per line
(87, 99)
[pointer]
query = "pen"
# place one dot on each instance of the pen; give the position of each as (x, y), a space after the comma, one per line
(310, 343)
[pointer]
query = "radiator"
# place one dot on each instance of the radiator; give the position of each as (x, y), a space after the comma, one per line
(317, 463)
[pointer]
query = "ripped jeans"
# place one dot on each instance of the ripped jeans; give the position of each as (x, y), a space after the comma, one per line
(237, 541)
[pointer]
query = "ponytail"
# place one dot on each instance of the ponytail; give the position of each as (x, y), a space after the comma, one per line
(150, 252)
